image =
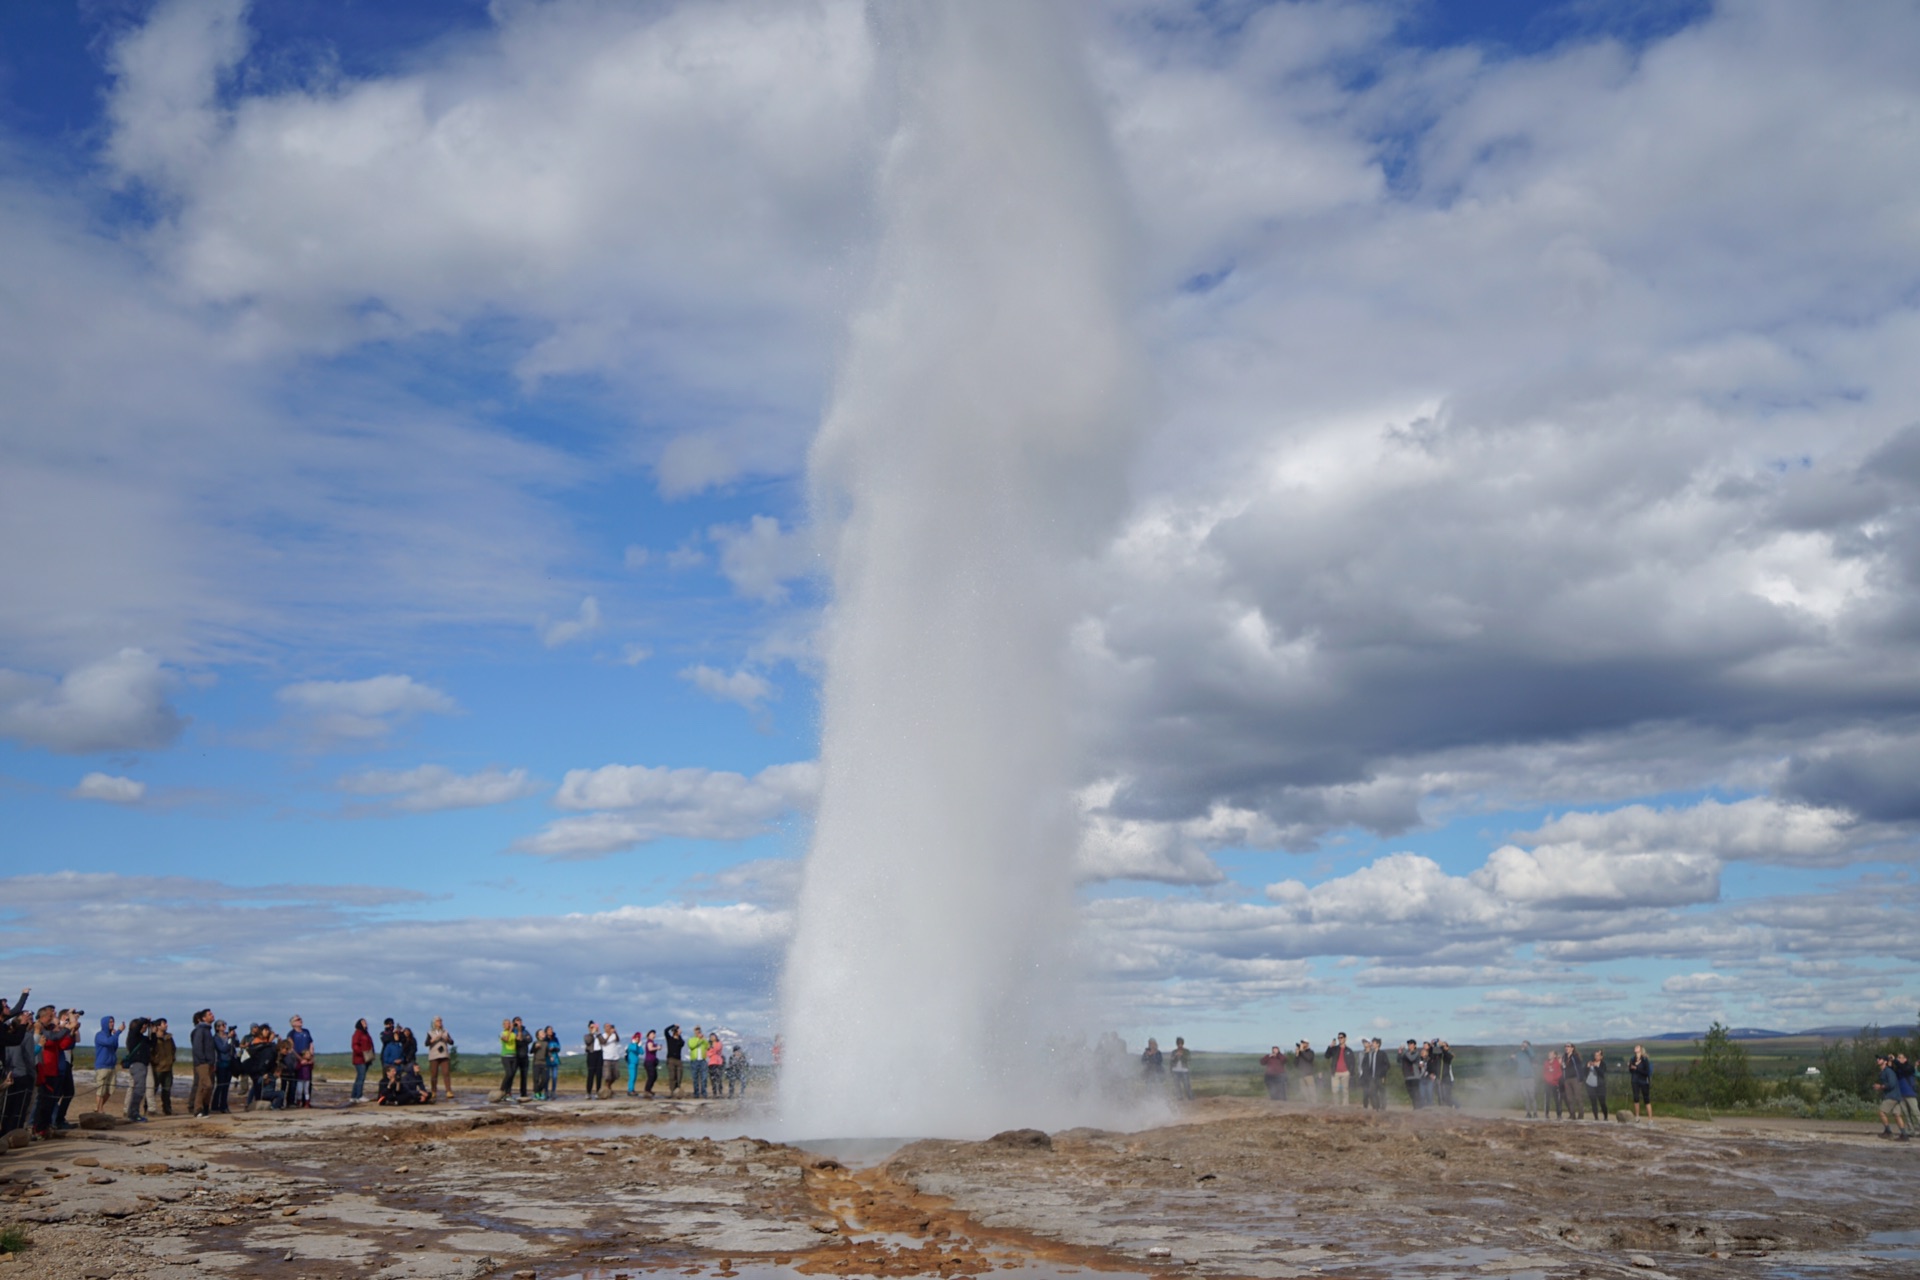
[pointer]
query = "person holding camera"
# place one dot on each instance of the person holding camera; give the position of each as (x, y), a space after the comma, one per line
(106, 1062)
(1339, 1070)
(1640, 1077)
(1597, 1085)
(165, 1053)
(16, 1066)
(1413, 1070)
(675, 1045)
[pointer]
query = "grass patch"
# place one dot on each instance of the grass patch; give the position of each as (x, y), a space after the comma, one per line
(14, 1239)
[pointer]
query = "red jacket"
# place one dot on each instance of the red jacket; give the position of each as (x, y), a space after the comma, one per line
(56, 1043)
(1553, 1072)
(362, 1047)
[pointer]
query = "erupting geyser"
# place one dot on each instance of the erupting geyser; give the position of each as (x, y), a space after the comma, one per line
(975, 450)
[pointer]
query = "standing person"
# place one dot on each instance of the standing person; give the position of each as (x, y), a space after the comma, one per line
(610, 1051)
(393, 1052)
(1180, 1066)
(1443, 1073)
(522, 1053)
(302, 1062)
(540, 1054)
(508, 1048)
(1411, 1068)
(1550, 1075)
(1571, 1072)
(262, 1063)
(1909, 1094)
(1597, 1085)
(1151, 1063)
(54, 1033)
(675, 1045)
(1528, 1077)
(697, 1061)
(16, 1068)
(1367, 1072)
(139, 1060)
(1303, 1063)
(1640, 1079)
(737, 1070)
(362, 1059)
(636, 1050)
(226, 1049)
(1273, 1068)
(165, 1052)
(289, 1059)
(552, 1038)
(205, 1058)
(592, 1046)
(1888, 1087)
(106, 1062)
(1339, 1069)
(439, 1060)
(652, 1061)
(716, 1065)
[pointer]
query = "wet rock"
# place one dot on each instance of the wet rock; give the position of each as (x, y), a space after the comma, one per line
(19, 1139)
(98, 1122)
(1642, 1261)
(1028, 1139)
(86, 1162)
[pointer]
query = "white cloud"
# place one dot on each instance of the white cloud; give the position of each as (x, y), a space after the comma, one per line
(635, 557)
(632, 655)
(361, 712)
(760, 559)
(430, 788)
(741, 687)
(109, 788)
(1574, 876)
(1758, 829)
(670, 192)
(115, 704)
(567, 630)
(641, 803)
(93, 939)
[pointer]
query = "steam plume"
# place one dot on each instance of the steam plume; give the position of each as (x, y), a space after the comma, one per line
(975, 448)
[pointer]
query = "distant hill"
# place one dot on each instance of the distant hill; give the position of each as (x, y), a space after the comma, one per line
(1838, 1032)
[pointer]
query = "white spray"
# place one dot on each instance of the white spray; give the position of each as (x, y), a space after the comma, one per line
(975, 449)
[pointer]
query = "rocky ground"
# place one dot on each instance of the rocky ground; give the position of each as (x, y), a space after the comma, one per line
(604, 1189)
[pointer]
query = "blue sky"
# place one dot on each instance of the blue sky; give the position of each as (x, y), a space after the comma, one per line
(405, 547)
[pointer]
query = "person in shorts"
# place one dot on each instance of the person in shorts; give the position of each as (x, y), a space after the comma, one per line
(1891, 1115)
(106, 1062)
(1640, 1075)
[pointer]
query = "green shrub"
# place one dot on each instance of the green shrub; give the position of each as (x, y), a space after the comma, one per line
(13, 1239)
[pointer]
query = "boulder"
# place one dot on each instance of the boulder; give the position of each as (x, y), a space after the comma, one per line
(1024, 1138)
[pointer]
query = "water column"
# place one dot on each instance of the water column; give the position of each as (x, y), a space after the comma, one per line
(974, 452)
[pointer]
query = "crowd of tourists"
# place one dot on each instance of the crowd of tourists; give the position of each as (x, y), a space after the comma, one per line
(702, 1062)
(264, 1066)
(1563, 1083)
(1573, 1085)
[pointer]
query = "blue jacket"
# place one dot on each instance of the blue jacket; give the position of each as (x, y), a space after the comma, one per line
(106, 1046)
